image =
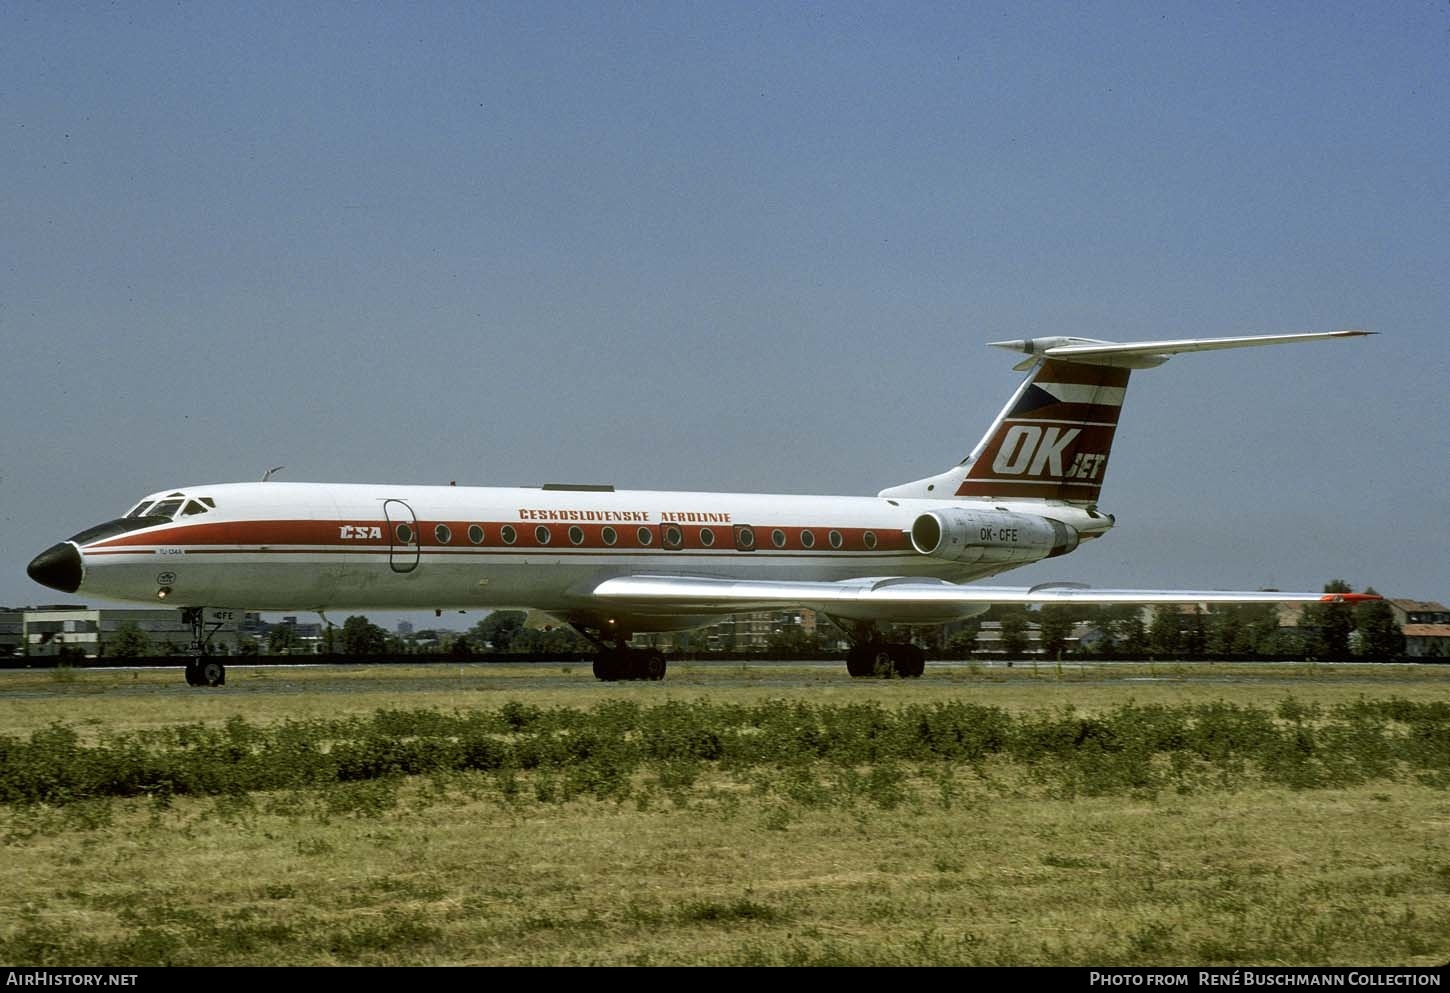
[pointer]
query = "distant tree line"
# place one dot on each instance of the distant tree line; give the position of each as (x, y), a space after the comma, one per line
(502, 632)
(1325, 632)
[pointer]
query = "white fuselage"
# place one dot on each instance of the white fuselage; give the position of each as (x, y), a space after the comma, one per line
(315, 546)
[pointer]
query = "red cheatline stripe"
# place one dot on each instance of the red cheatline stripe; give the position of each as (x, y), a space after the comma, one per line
(443, 553)
(327, 534)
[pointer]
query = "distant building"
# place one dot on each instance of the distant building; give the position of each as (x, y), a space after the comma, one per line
(253, 626)
(745, 633)
(12, 630)
(1426, 626)
(306, 638)
(741, 633)
(989, 638)
(61, 630)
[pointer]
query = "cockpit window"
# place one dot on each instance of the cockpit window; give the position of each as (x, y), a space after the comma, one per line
(165, 508)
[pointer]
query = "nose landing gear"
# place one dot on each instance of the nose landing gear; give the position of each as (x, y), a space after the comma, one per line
(201, 669)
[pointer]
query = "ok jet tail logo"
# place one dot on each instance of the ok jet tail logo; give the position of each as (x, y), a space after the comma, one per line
(1030, 450)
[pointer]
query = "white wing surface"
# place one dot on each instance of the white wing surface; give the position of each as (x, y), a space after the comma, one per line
(898, 599)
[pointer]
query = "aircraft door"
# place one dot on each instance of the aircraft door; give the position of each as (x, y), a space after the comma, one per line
(403, 553)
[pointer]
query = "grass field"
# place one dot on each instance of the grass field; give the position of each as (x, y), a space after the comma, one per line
(732, 815)
(121, 699)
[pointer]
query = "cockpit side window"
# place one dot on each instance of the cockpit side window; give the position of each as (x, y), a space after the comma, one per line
(192, 507)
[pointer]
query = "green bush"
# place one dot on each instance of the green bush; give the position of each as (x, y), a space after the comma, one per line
(603, 750)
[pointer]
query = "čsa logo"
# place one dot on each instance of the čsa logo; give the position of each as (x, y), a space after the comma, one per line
(359, 531)
(1033, 451)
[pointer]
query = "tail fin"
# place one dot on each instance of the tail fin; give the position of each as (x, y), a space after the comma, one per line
(1051, 442)
(1052, 439)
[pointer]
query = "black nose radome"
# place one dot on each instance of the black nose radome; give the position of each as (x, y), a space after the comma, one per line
(58, 567)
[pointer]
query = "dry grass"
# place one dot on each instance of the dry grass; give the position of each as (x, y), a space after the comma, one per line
(123, 700)
(959, 866)
(720, 875)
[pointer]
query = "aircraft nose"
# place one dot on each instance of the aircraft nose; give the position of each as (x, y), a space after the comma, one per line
(58, 567)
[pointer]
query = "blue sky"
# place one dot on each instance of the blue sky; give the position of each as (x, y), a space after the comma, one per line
(733, 246)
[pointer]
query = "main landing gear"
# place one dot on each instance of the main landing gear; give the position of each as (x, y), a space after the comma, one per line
(618, 661)
(873, 656)
(201, 669)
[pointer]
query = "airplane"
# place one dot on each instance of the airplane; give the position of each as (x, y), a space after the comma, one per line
(612, 563)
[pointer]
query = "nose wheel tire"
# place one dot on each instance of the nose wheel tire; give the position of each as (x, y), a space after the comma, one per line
(205, 672)
(202, 670)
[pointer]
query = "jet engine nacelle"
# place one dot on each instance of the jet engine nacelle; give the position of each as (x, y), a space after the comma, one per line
(990, 536)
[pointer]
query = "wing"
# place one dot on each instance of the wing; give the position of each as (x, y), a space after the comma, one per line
(898, 599)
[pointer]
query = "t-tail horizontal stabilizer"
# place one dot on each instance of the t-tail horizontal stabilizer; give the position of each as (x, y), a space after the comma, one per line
(1148, 354)
(1052, 439)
